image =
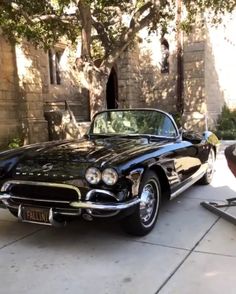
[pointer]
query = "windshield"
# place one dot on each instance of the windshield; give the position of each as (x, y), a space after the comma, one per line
(126, 122)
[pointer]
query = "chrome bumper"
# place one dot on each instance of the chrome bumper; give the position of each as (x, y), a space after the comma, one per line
(4, 197)
(105, 206)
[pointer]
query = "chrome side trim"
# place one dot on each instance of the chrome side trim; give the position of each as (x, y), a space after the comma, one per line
(191, 181)
(6, 185)
(94, 191)
(105, 206)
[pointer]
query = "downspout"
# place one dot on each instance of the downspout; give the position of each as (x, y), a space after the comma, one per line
(180, 69)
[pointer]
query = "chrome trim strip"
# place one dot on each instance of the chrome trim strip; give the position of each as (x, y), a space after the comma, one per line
(37, 223)
(4, 196)
(192, 180)
(53, 222)
(19, 213)
(91, 192)
(104, 215)
(59, 210)
(8, 196)
(58, 185)
(105, 206)
(83, 205)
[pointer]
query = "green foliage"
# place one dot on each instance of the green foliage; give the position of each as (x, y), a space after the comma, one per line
(15, 143)
(226, 124)
(112, 23)
(38, 21)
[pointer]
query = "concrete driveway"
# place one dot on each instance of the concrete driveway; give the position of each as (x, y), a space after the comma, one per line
(189, 251)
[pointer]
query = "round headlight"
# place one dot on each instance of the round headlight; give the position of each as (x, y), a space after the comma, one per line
(93, 175)
(109, 176)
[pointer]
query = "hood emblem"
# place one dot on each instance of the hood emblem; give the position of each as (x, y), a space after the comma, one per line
(47, 167)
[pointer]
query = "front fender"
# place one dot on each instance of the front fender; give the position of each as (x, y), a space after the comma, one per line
(135, 177)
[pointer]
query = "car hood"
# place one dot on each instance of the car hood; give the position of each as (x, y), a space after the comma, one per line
(70, 159)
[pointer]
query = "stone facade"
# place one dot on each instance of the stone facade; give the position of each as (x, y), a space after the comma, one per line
(28, 90)
(140, 81)
(9, 94)
(142, 84)
(209, 69)
(220, 66)
(194, 81)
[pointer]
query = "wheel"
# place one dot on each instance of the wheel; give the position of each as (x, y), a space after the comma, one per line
(207, 178)
(143, 219)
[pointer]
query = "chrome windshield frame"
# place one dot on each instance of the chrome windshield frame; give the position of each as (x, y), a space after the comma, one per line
(178, 135)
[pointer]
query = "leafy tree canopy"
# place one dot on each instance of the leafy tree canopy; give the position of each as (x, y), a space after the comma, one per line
(105, 26)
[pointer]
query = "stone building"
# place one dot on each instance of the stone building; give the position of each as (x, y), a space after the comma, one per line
(203, 82)
(189, 74)
(33, 82)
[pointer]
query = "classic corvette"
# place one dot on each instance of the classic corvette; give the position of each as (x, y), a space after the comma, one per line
(124, 167)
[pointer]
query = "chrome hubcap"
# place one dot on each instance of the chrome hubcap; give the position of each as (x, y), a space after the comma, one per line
(149, 202)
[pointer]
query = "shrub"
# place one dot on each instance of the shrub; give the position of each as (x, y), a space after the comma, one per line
(226, 124)
(15, 143)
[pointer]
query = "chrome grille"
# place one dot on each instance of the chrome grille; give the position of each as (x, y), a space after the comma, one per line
(41, 193)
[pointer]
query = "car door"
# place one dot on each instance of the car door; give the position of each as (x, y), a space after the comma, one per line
(181, 158)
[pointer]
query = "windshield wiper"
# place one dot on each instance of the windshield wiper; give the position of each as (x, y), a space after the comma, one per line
(101, 135)
(134, 136)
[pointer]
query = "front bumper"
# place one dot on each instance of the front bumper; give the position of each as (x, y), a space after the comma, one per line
(95, 203)
(6, 198)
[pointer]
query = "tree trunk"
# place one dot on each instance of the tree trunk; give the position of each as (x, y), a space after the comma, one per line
(97, 84)
(85, 15)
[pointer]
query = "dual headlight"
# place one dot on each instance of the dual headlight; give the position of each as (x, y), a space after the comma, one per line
(109, 176)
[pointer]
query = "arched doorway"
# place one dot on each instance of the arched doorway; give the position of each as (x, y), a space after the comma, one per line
(112, 90)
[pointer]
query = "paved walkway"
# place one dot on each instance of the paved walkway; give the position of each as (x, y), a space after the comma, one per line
(190, 251)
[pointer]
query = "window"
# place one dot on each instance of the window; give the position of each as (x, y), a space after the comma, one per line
(54, 57)
(164, 56)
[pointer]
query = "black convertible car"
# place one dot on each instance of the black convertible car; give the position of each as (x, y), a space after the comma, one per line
(127, 164)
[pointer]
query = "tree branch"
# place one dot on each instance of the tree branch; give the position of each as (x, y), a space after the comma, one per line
(128, 36)
(102, 34)
(64, 18)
